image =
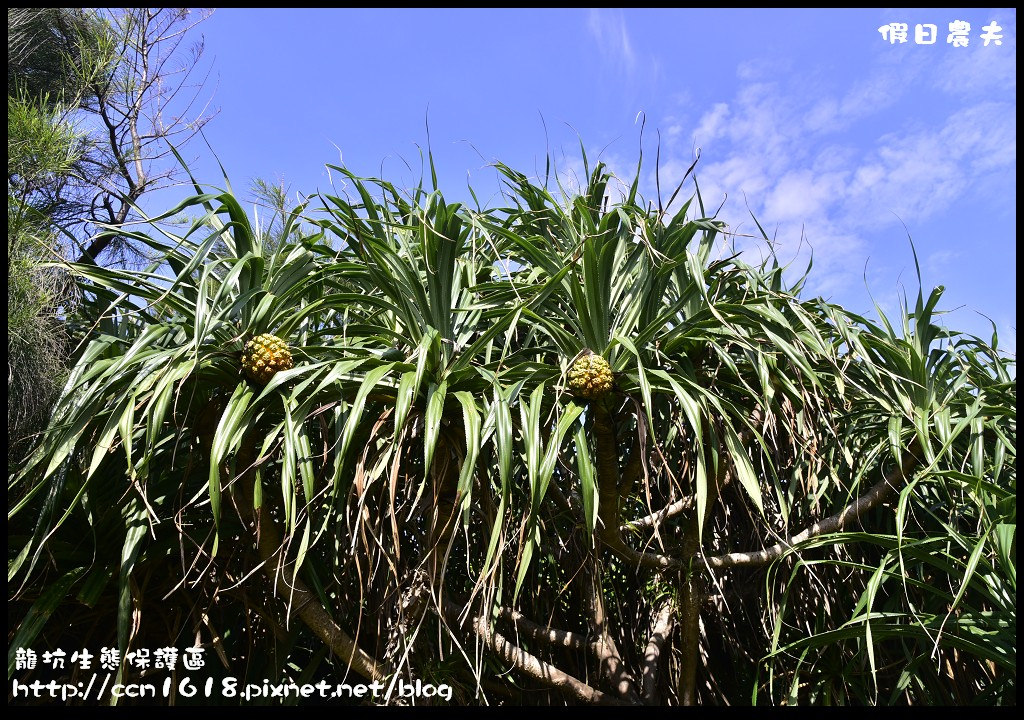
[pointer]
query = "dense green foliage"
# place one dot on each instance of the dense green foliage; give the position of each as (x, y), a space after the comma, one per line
(422, 484)
(46, 85)
(86, 132)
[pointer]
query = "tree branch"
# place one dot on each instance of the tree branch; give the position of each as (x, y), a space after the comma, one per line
(664, 619)
(873, 497)
(607, 462)
(693, 597)
(602, 651)
(609, 658)
(540, 633)
(617, 544)
(671, 510)
(304, 602)
(529, 664)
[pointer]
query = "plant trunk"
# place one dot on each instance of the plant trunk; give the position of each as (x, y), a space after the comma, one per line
(608, 476)
(445, 468)
(269, 547)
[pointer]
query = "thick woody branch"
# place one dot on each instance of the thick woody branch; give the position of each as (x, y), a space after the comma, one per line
(609, 659)
(603, 649)
(539, 633)
(613, 669)
(445, 467)
(669, 511)
(308, 606)
(692, 599)
(663, 622)
(654, 561)
(635, 465)
(873, 497)
(608, 495)
(303, 602)
(607, 462)
(528, 664)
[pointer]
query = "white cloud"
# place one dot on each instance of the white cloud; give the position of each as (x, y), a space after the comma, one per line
(609, 29)
(734, 175)
(918, 174)
(801, 194)
(711, 125)
(880, 90)
(815, 179)
(977, 70)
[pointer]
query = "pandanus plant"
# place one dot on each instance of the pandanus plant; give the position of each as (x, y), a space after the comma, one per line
(570, 449)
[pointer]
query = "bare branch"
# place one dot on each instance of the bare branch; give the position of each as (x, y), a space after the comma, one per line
(669, 511)
(539, 633)
(304, 602)
(609, 658)
(529, 664)
(130, 97)
(664, 619)
(879, 492)
(873, 497)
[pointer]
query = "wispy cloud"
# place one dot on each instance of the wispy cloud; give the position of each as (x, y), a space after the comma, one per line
(608, 27)
(815, 171)
(917, 174)
(976, 74)
(712, 124)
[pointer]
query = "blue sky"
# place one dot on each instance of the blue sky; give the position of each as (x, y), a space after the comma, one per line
(833, 137)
